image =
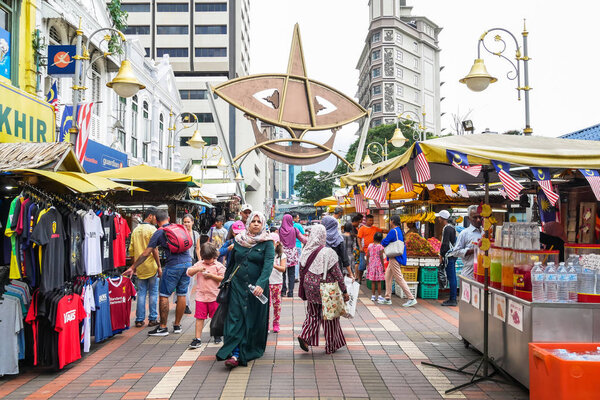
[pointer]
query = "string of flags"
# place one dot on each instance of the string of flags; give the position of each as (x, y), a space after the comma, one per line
(459, 160)
(511, 187)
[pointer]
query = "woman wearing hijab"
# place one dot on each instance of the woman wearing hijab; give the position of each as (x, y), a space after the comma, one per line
(246, 324)
(315, 259)
(288, 235)
(335, 240)
(554, 236)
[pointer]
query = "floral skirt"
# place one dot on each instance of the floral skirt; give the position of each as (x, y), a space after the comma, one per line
(291, 255)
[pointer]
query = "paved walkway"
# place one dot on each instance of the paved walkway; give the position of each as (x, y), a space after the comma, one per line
(386, 345)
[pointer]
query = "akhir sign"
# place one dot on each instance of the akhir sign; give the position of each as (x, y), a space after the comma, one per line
(99, 157)
(23, 117)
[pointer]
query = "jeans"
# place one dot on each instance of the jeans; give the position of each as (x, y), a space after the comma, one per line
(175, 279)
(147, 286)
(289, 278)
(298, 265)
(451, 274)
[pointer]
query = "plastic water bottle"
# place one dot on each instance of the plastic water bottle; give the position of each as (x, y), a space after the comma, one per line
(262, 298)
(572, 272)
(550, 283)
(537, 283)
(563, 283)
(588, 280)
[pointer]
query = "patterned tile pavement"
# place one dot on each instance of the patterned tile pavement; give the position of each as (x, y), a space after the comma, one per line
(386, 345)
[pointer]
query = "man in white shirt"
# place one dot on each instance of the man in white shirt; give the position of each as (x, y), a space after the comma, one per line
(467, 240)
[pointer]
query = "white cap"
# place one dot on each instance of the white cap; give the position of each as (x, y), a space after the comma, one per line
(443, 214)
(246, 207)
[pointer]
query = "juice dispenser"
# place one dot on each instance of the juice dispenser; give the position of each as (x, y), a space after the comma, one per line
(478, 266)
(496, 267)
(523, 264)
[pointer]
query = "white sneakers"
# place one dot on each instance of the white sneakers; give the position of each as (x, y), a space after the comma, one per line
(410, 303)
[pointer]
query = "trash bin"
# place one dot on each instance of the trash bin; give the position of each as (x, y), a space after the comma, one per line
(552, 377)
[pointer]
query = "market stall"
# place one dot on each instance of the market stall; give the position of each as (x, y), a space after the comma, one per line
(517, 163)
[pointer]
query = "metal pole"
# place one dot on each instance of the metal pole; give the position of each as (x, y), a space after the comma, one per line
(77, 84)
(526, 89)
(361, 143)
(486, 291)
(171, 128)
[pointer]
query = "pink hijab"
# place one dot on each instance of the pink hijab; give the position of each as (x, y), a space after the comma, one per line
(287, 232)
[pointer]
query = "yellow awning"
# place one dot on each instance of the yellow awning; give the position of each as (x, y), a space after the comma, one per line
(103, 184)
(519, 151)
(73, 182)
(145, 173)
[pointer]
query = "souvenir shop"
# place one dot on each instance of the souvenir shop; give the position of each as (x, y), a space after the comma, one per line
(497, 312)
(63, 244)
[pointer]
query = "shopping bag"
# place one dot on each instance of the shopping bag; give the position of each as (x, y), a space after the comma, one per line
(217, 322)
(352, 288)
(332, 300)
(442, 279)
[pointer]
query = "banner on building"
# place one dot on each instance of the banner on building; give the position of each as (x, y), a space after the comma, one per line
(60, 60)
(99, 157)
(5, 53)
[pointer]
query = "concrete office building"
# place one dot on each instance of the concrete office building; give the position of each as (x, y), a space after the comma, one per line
(207, 41)
(399, 66)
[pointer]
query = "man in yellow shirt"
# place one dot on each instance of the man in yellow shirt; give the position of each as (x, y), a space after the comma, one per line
(149, 272)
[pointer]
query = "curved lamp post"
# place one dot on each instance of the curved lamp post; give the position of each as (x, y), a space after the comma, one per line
(213, 151)
(173, 132)
(407, 120)
(125, 84)
(479, 79)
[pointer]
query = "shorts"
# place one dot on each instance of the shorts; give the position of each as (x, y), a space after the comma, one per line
(205, 310)
(174, 279)
(362, 262)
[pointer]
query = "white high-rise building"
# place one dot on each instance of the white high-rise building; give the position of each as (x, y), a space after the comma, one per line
(399, 65)
(207, 41)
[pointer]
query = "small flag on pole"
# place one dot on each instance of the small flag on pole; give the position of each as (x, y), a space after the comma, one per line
(359, 202)
(421, 165)
(52, 96)
(511, 186)
(406, 180)
(542, 175)
(448, 190)
(373, 188)
(593, 178)
(460, 161)
(502, 192)
(430, 186)
(84, 117)
(462, 189)
(384, 188)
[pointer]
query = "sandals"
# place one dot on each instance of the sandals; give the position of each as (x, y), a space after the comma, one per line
(303, 344)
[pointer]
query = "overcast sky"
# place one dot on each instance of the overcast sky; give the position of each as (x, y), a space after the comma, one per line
(563, 46)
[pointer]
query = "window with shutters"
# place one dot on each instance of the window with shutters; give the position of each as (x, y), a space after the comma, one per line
(96, 98)
(161, 140)
(147, 134)
(134, 126)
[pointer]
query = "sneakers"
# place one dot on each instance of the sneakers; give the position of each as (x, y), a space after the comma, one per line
(386, 302)
(153, 323)
(139, 324)
(195, 343)
(410, 303)
(380, 299)
(176, 328)
(451, 303)
(217, 339)
(187, 310)
(373, 298)
(158, 331)
(275, 328)
(231, 362)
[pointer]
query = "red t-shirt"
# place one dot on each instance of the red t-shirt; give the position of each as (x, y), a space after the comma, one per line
(69, 313)
(122, 231)
(31, 319)
(120, 292)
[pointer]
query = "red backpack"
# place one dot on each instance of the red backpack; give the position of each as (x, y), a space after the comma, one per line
(178, 238)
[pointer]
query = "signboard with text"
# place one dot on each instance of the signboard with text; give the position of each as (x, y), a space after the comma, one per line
(99, 157)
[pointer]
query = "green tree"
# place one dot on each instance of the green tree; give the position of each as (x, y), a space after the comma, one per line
(312, 186)
(381, 134)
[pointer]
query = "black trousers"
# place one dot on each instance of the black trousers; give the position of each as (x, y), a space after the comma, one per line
(289, 278)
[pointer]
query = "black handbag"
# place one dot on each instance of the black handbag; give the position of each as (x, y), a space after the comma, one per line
(224, 286)
(217, 322)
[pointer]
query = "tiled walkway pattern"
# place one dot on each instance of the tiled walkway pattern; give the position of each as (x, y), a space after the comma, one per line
(386, 345)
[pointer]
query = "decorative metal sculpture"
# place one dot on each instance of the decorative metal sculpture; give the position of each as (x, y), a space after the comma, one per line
(294, 102)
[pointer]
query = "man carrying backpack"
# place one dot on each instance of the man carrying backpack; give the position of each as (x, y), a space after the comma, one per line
(174, 241)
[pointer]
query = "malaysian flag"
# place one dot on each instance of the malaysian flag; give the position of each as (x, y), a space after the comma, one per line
(373, 189)
(502, 192)
(52, 96)
(460, 161)
(406, 180)
(359, 202)
(511, 186)
(421, 165)
(384, 188)
(593, 178)
(84, 117)
(448, 190)
(462, 189)
(542, 175)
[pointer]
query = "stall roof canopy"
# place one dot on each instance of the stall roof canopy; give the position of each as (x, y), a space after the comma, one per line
(519, 151)
(145, 173)
(49, 156)
(103, 184)
(78, 182)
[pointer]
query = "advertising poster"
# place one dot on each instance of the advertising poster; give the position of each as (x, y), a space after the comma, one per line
(500, 307)
(465, 292)
(515, 315)
(475, 296)
(5, 53)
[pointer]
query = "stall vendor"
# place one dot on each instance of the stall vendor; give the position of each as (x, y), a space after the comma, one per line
(554, 237)
(467, 240)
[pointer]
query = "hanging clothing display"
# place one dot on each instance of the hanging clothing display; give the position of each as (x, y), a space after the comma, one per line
(120, 292)
(122, 232)
(50, 235)
(92, 252)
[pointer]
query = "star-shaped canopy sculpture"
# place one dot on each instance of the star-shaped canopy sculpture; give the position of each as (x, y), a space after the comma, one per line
(294, 102)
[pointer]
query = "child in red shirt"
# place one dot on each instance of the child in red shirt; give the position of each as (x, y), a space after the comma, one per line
(210, 274)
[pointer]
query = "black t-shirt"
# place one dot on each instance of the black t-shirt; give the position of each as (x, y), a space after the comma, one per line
(49, 233)
(75, 235)
(448, 238)
(108, 224)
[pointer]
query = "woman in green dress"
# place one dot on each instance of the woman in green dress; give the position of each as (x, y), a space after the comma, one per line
(246, 325)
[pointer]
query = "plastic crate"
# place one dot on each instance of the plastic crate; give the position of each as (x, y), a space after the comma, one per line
(412, 286)
(428, 275)
(428, 291)
(551, 377)
(369, 285)
(410, 274)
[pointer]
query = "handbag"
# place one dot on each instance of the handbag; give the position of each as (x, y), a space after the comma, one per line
(394, 249)
(332, 299)
(224, 286)
(217, 322)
